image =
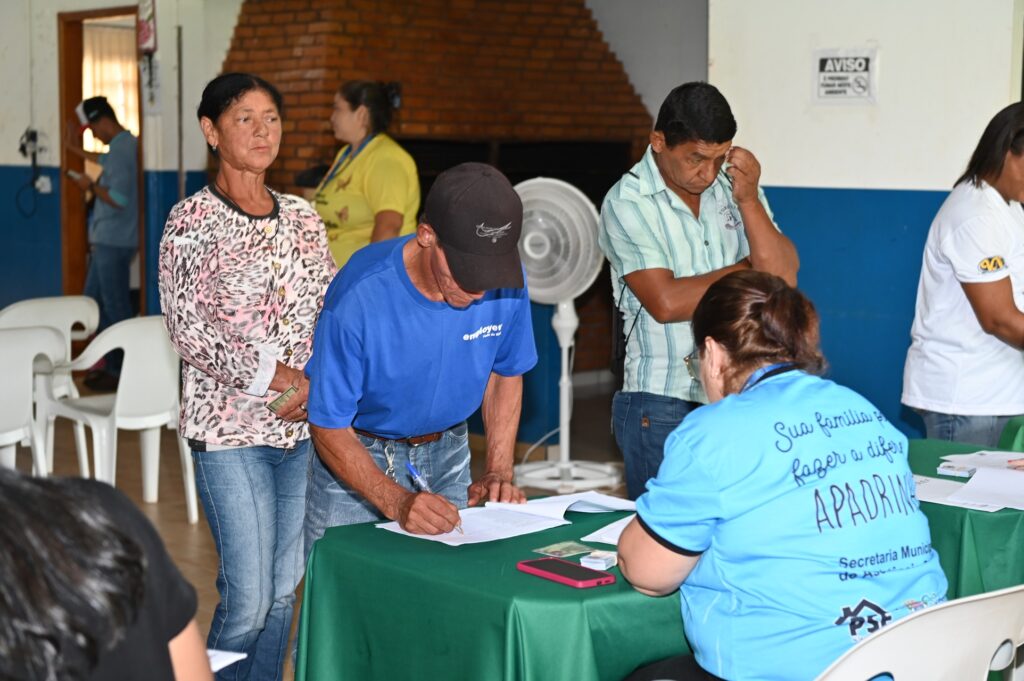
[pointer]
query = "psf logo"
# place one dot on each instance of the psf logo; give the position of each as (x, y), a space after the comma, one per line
(993, 264)
(865, 615)
(488, 331)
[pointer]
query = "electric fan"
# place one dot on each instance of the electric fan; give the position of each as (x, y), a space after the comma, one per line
(559, 250)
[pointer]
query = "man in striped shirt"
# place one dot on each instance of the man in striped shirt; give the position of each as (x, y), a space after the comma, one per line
(687, 214)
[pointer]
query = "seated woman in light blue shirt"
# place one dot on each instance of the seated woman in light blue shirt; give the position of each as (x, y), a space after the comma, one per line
(784, 511)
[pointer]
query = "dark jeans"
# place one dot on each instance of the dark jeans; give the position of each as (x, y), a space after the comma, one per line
(642, 422)
(107, 282)
(679, 668)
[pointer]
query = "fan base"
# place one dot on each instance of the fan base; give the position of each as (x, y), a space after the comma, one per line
(567, 477)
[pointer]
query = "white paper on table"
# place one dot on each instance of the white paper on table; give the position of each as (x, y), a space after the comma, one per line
(609, 534)
(937, 491)
(983, 459)
(485, 524)
(555, 507)
(219, 659)
(995, 486)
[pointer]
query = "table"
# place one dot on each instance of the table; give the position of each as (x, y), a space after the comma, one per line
(378, 605)
(978, 551)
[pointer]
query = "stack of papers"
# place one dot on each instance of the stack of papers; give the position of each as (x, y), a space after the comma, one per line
(993, 486)
(609, 534)
(497, 520)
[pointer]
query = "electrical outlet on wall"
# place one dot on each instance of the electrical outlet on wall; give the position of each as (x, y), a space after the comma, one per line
(43, 184)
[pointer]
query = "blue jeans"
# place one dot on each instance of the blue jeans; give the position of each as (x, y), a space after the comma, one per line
(444, 464)
(107, 282)
(976, 430)
(254, 498)
(641, 423)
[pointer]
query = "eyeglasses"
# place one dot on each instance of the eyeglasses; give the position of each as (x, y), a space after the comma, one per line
(692, 362)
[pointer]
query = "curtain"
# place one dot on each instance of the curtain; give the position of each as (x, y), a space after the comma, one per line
(110, 69)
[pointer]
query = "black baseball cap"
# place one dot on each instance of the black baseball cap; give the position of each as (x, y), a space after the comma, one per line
(91, 110)
(478, 218)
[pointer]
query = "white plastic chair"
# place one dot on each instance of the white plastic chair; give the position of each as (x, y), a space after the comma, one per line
(959, 640)
(76, 317)
(146, 400)
(19, 349)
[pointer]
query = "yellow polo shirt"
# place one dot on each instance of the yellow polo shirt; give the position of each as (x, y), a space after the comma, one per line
(382, 176)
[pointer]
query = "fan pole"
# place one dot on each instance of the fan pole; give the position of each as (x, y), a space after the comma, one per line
(565, 476)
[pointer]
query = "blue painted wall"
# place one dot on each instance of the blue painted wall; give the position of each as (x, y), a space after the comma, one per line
(161, 188)
(860, 259)
(30, 259)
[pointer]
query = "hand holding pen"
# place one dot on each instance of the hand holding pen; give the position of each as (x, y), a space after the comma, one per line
(427, 513)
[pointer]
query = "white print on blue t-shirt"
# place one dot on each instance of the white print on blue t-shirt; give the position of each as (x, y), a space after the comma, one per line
(488, 331)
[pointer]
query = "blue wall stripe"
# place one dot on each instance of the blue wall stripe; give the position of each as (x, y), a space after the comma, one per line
(30, 260)
(860, 259)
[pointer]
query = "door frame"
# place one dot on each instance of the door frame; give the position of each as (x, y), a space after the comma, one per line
(74, 239)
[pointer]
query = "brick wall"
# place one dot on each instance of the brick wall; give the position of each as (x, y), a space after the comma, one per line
(469, 69)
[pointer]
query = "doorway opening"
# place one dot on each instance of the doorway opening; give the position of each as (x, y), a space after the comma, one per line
(98, 55)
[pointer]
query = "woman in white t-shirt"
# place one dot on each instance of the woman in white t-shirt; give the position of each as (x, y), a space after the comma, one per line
(965, 371)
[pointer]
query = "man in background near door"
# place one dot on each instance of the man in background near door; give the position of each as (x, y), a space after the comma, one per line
(113, 224)
(687, 214)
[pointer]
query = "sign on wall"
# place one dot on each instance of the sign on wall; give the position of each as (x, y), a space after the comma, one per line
(846, 76)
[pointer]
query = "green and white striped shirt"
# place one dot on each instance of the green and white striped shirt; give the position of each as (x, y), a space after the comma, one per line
(645, 225)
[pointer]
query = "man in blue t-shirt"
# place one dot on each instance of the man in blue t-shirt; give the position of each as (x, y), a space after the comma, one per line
(113, 223)
(415, 333)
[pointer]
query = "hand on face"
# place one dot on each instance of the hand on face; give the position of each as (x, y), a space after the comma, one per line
(745, 172)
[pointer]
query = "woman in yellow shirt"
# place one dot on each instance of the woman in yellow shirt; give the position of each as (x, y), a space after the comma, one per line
(372, 191)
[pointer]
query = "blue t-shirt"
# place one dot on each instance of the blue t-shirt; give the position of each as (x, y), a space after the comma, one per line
(798, 496)
(389, 361)
(110, 226)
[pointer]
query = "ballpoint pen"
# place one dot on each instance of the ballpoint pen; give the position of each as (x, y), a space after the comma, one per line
(424, 487)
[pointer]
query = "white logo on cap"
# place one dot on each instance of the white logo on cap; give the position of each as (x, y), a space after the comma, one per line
(492, 233)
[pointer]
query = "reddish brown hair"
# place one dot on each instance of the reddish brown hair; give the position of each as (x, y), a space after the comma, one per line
(759, 319)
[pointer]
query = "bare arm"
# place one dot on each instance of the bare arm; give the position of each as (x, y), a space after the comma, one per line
(188, 655)
(386, 225)
(651, 568)
(503, 401)
(998, 315)
(770, 250)
(343, 453)
(671, 299)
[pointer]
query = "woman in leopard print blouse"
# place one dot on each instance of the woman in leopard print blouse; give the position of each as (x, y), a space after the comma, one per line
(243, 271)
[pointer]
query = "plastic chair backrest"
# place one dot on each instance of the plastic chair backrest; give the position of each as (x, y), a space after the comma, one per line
(149, 374)
(955, 641)
(18, 349)
(59, 312)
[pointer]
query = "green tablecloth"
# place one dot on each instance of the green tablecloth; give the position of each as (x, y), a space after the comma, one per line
(378, 605)
(979, 551)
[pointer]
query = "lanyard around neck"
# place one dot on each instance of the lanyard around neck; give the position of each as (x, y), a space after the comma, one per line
(767, 372)
(348, 155)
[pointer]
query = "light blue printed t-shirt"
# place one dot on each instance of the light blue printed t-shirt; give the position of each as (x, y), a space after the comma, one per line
(391, 362)
(798, 495)
(110, 226)
(645, 225)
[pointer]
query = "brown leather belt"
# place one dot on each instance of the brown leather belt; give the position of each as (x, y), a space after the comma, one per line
(413, 441)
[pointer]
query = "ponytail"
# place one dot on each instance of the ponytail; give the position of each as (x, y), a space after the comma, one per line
(758, 319)
(380, 99)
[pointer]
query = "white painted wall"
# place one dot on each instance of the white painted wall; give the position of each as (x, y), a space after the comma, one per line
(945, 68)
(29, 74)
(661, 43)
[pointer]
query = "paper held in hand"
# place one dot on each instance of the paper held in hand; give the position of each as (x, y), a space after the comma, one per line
(496, 520)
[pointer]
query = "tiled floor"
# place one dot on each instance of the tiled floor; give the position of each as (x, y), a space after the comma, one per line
(191, 546)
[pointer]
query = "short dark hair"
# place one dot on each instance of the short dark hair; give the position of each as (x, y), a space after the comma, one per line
(73, 579)
(1005, 132)
(380, 99)
(758, 319)
(694, 112)
(226, 89)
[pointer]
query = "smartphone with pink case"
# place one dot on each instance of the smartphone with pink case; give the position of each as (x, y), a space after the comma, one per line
(564, 572)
